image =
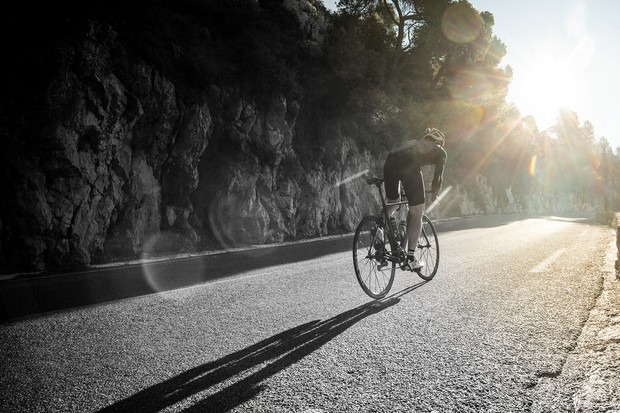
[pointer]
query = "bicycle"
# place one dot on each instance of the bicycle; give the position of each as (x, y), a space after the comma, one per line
(375, 265)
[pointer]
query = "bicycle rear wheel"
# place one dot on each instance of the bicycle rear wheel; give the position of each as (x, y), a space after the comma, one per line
(428, 250)
(373, 270)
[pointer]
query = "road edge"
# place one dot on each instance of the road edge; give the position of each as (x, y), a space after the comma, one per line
(590, 375)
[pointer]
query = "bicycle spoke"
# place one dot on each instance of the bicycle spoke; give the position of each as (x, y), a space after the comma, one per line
(374, 277)
(428, 250)
(376, 255)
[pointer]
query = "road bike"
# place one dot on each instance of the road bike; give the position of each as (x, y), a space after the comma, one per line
(377, 249)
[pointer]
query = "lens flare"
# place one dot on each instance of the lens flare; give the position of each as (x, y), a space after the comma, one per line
(439, 198)
(237, 220)
(352, 177)
(461, 24)
(469, 85)
(532, 167)
(160, 270)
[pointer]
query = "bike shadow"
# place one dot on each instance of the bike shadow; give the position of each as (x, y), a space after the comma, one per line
(275, 353)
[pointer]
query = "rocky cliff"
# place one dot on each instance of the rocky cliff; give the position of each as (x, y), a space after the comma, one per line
(107, 161)
(117, 165)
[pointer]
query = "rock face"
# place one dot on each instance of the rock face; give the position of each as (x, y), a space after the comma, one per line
(112, 163)
(128, 168)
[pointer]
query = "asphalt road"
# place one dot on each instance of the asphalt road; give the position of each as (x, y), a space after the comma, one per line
(488, 333)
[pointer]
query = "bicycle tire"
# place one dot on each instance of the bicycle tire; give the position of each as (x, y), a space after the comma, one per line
(428, 250)
(374, 273)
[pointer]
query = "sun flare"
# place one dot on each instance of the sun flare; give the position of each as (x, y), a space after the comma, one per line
(544, 89)
(553, 71)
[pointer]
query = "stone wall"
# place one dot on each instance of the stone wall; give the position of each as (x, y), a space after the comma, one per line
(114, 164)
(126, 168)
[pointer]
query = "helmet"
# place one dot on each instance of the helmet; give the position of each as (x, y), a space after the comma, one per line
(436, 135)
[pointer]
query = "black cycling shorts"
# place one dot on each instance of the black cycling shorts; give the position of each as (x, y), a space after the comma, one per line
(398, 169)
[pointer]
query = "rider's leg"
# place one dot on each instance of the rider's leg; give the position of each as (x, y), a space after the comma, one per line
(414, 227)
(414, 188)
(391, 174)
(392, 208)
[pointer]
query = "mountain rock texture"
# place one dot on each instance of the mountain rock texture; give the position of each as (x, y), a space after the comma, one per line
(117, 166)
(106, 161)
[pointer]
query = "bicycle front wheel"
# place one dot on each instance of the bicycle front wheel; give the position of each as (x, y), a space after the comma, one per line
(373, 270)
(428, 250)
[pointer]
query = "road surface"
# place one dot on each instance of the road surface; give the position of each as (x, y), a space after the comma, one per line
(491, 332)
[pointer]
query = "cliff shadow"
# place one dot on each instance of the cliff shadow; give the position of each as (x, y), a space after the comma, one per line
(32, 296)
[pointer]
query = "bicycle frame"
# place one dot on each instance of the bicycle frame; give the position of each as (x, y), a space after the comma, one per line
(396, 247)
(397, 250)
(372, 249)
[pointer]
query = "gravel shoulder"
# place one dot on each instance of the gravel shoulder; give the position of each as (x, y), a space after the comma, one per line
(590, 378)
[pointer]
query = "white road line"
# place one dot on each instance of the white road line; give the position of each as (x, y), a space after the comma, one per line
(209, 283)
(542, 266)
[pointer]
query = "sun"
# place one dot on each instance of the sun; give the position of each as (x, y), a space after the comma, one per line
(550, 70)
(547, 90)
(551, 74)
(544, 87)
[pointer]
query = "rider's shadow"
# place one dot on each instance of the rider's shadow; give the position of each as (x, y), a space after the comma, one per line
(276, 353)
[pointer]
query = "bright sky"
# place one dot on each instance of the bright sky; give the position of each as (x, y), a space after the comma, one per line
(563, 53)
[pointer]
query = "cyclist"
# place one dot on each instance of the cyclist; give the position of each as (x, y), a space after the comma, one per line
(403, 164)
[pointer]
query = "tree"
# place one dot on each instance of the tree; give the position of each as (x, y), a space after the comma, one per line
(403, 17)
(440, 44)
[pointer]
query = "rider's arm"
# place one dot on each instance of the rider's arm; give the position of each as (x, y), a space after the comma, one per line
(440, 161)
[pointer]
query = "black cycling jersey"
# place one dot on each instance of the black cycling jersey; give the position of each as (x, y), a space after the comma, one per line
(404, 164)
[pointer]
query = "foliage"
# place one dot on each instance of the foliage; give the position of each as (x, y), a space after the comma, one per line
(441, 68)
